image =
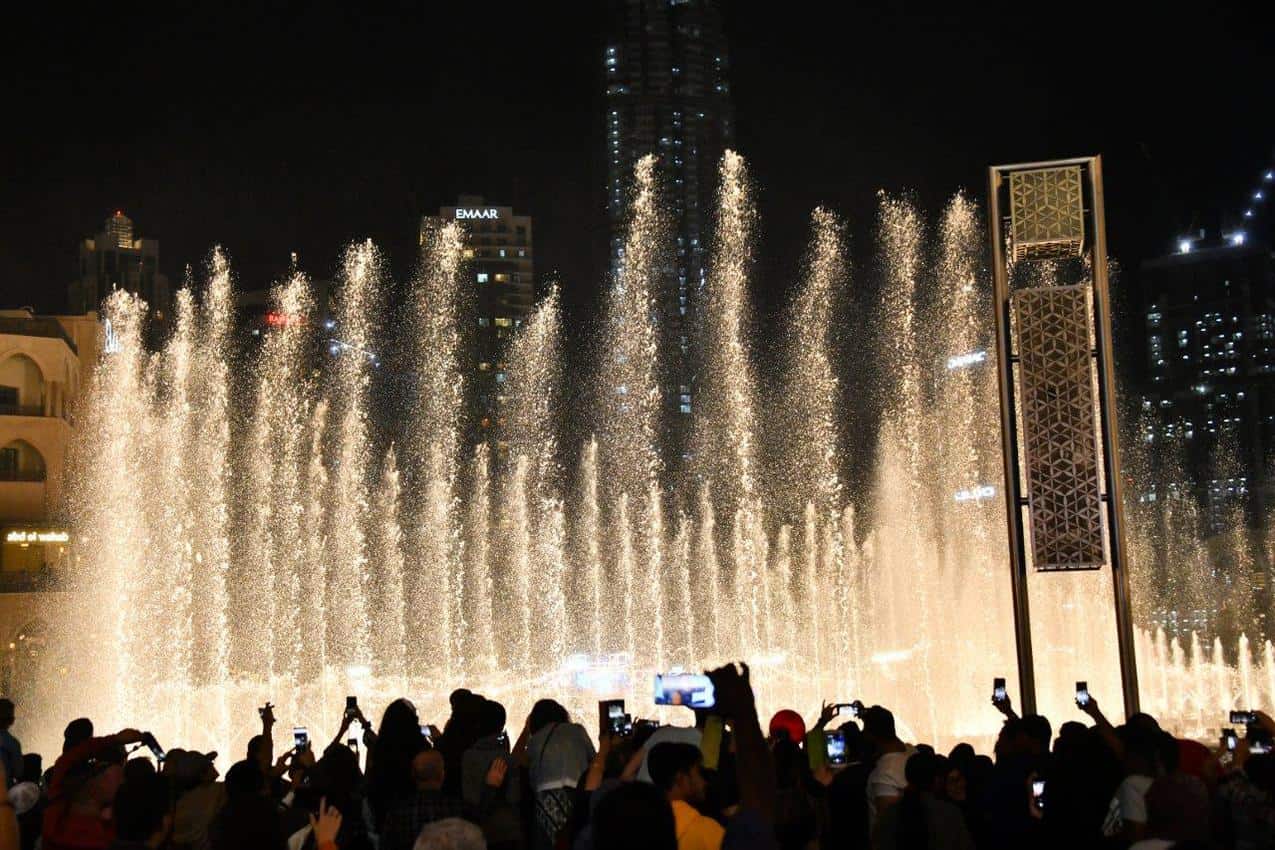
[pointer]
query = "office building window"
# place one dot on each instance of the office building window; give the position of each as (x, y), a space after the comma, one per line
(482, 277)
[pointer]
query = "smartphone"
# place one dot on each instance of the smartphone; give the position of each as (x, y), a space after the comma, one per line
(608, 710)
(300, 738)
(1082, 693)
(351, 706)
(1232, 740)
(1038, 793)
(998, 690)
(620, 724)
(503, 740)
(710, 741)
(853, 707)
(1243, 718)
(426, 734)
(693, 690)
(151, 744)
(835, 746)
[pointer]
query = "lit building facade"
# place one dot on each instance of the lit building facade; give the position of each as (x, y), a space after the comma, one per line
(1208, 401)
(500, 264)
(667, 92)
(114, 259)
(44, 363)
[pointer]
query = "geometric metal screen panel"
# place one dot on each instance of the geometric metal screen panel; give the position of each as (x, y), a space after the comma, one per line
(1047, 214)
(1060, 427)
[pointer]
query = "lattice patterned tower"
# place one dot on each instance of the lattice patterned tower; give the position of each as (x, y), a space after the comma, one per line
(1053, 341)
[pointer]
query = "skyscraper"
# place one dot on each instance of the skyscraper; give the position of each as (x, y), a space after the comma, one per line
(1208, 406)
(117, 259)
(501, 265)
(666, 93)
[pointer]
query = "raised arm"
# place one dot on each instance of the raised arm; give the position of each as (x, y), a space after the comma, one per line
(754, 768)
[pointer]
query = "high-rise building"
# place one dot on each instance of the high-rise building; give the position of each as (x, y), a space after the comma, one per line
(1208, 406)
(501, 269)
(117, 258)
(667, 93)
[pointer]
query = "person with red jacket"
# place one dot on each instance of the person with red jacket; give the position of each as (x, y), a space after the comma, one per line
(82, 786)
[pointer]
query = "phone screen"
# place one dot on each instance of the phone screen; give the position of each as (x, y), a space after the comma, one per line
(1038, 790)
(998, 690)
(1082, 693)
(835, 742)
(426, 734)
(1243, 718)
(300, 738)
(693, 690)
(1232, 740)
(608, 711)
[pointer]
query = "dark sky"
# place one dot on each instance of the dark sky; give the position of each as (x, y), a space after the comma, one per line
(302, 126)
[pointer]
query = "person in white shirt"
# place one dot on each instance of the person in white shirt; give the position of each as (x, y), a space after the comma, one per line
(887, 779)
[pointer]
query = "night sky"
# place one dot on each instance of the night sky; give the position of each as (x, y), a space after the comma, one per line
(301, 128)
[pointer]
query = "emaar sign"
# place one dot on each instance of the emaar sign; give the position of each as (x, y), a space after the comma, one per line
(488, 212)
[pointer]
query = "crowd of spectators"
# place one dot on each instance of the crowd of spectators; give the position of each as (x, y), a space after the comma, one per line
(846, 781)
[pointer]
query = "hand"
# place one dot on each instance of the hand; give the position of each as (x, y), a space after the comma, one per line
(826, 714)
(496, 773)
(824, 775)
(1264, 720)
(304, 759)
(267, 715)
(128, 736)
(1090, 707)
(733, 690)
(1004, 705)
(327, 825)
(434, 733)
(606, 741)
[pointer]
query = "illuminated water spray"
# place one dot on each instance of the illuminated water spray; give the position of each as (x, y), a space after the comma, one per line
(248, 530)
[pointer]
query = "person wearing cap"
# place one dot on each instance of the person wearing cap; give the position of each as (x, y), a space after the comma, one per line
(199, 796)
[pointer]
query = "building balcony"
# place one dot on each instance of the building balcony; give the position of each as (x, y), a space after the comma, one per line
(22, 410)
(29, 476)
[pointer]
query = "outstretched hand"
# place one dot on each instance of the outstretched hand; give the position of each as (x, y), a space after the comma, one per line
(733, 690)
(496, 773)
(326, 825)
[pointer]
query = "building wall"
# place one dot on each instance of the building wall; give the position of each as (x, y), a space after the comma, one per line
(43, 365)
(500, 269)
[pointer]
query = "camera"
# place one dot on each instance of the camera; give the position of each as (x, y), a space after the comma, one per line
(854, 707)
